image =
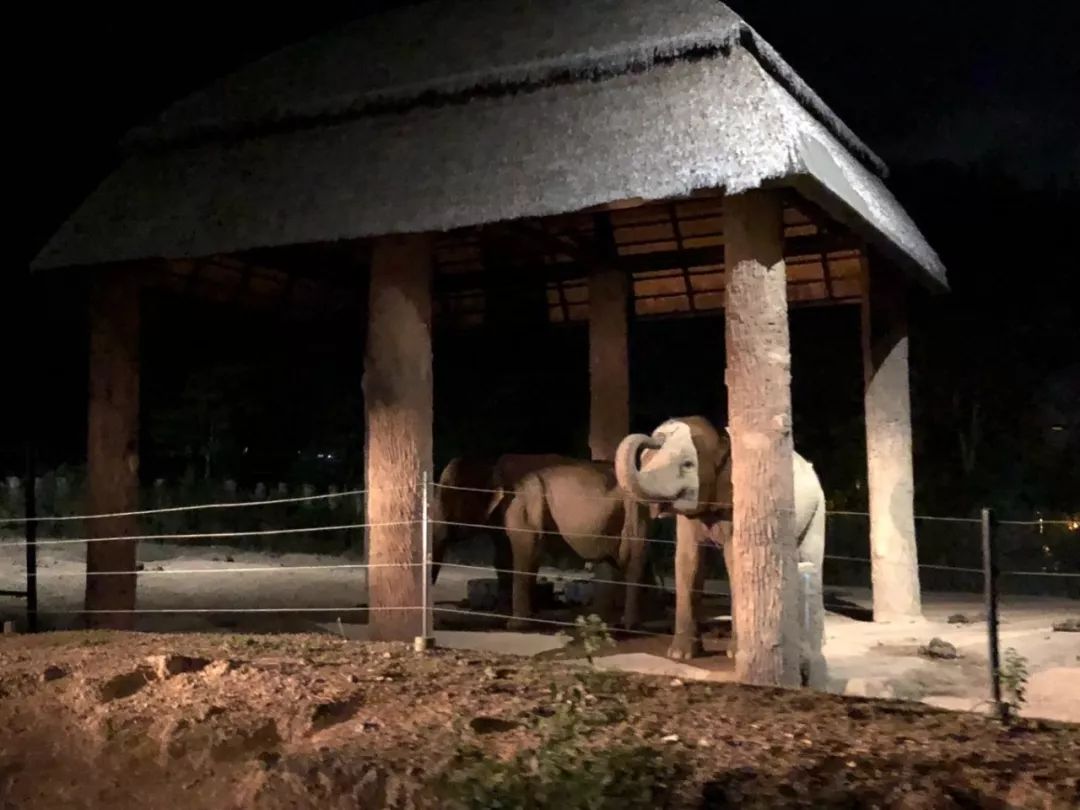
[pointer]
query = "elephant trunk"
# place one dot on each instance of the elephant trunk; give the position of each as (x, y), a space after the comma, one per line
(626, 464)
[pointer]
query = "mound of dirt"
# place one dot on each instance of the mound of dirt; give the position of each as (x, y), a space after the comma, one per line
(133, 720)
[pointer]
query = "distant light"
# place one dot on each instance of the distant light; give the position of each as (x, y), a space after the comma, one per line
(1057, 428)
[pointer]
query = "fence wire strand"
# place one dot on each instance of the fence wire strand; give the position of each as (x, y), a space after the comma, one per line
(198, 507)
(269, 569)
(577, 577)
(352, 609)
(553, 622)
(214, 535)
(364, 609)
(934, 567)
(457, 488)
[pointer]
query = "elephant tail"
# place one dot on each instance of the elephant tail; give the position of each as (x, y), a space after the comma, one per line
(534, 490)
(498, 499)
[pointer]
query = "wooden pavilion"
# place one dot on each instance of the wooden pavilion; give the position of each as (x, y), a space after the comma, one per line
(643, 159)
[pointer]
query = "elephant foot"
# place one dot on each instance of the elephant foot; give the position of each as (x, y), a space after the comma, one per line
(630, 623)
(814, 672)
(685, 647)
(517, 625)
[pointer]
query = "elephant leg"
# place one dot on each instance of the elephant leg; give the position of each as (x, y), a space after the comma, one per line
(523, 544)
(633, 574)
(729, 554)
(687, 640)
(813, 668)
(504, 569)
(812, 599)
(607, 580)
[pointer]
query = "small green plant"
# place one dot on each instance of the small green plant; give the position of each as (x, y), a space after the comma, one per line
(563, 776)
(593, 634)
(562, 772)
(1014, 677)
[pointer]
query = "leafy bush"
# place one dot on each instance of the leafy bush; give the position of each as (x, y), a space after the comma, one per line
(593, 634)
(564, 775)
(1014, 677)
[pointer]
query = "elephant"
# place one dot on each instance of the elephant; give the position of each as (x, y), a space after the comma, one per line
(685, 469)
(582, 502)
(469, 494)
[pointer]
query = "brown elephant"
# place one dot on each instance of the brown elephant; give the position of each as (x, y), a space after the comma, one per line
(469, 495)
(582, 503)
(685, 468)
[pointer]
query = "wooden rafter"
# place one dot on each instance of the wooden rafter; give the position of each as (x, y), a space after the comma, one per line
(681, 247)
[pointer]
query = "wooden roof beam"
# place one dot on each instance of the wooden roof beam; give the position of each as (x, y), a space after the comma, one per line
(637, 263)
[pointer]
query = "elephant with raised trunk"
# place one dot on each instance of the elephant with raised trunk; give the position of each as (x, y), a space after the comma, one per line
(684, 468)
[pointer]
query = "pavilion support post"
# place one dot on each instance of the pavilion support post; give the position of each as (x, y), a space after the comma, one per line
(609, 373)
(609, 380)
(890, 477)
(398, 401)
(764, 573)
(113, 447)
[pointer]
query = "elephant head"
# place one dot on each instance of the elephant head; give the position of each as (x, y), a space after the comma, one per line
(686, 463)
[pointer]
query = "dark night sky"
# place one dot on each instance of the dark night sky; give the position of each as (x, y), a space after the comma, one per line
(917, 80)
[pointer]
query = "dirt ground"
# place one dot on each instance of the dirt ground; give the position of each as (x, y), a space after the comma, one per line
(209, 584)
(110, 720)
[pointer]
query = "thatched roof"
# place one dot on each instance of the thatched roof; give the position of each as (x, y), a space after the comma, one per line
(444, 115)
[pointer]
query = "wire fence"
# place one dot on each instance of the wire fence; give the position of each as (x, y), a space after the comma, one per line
(955, 554)
(1043, 555)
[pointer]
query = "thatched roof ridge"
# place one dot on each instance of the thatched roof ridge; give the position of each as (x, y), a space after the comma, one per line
(270, 158)
(441, 50)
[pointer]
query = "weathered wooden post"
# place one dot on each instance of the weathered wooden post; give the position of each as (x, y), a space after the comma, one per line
(609, 375)
(113, 447)
(764, 574)
(398, 401)
(890, 477)
(609, 379)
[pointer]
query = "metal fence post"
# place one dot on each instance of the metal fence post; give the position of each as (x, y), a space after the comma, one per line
(425, 640)
(30, 495)
(990, 583)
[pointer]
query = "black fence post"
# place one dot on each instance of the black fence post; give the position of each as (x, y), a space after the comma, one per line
(30, 503)
(990, 581)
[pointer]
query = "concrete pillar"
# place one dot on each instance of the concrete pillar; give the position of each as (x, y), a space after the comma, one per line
(890, 478)
(398, 402)
(112, 453)
(764, 576)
